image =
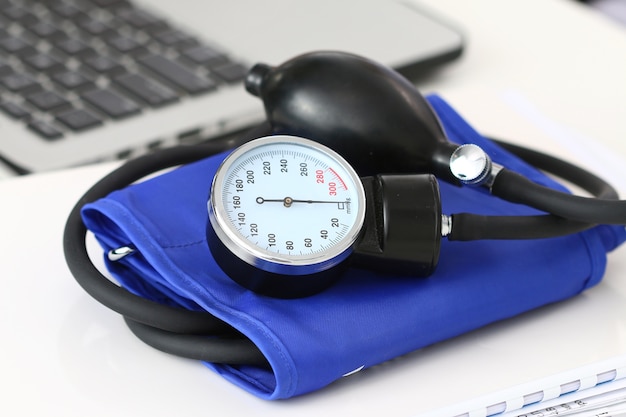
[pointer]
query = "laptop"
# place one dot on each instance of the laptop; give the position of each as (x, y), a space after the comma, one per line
(83, 81)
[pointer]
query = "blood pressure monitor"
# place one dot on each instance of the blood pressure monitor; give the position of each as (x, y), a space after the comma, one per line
(286, 214)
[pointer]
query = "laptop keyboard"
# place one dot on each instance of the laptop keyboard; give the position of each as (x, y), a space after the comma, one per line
(74, 65)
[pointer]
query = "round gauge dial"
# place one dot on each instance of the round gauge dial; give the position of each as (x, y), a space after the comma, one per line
(286, 205)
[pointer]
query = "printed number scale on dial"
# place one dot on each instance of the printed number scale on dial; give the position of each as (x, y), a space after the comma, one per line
(288, 202)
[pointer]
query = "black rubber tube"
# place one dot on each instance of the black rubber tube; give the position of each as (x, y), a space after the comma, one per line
(604, 208)
(467, 226)
(516, 188)
(584, 179)
(205, 348)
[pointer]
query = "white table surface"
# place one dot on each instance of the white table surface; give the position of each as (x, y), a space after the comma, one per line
(547, 73)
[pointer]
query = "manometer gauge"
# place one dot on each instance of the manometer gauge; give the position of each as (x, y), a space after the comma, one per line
(284, 212)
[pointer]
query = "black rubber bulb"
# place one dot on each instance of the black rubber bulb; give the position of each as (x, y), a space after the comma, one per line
(368, 113)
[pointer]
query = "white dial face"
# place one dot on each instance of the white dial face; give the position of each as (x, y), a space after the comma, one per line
(287, 200)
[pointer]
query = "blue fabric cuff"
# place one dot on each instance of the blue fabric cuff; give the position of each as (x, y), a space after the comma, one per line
(364, 319)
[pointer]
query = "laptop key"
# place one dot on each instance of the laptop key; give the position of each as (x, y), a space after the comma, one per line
(104, 64)
(16, 46)
(177, 74)
(72, 80)
(231, 72)
(74, 47)
(14, 110)
(43, 62)
(19, 82)
(19, 14)
(46, 30)
(79, 119)
(47, 100)
(5, 67)
(45, 130)
(95, 27)
(141, 19)
(148, 90)
(111, 3)
(204, 55)
(66, 10)
(126, 45)
(176, 39)
(111, 103)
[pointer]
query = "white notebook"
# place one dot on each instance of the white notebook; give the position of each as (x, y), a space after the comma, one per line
(551, 395)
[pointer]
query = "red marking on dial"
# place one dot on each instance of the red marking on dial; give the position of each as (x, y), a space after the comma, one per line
(343, 184)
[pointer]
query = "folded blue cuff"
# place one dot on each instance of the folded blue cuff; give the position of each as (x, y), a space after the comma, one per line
(364, 319)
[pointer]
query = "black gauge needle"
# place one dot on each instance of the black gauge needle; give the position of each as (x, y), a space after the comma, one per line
(288, 201)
